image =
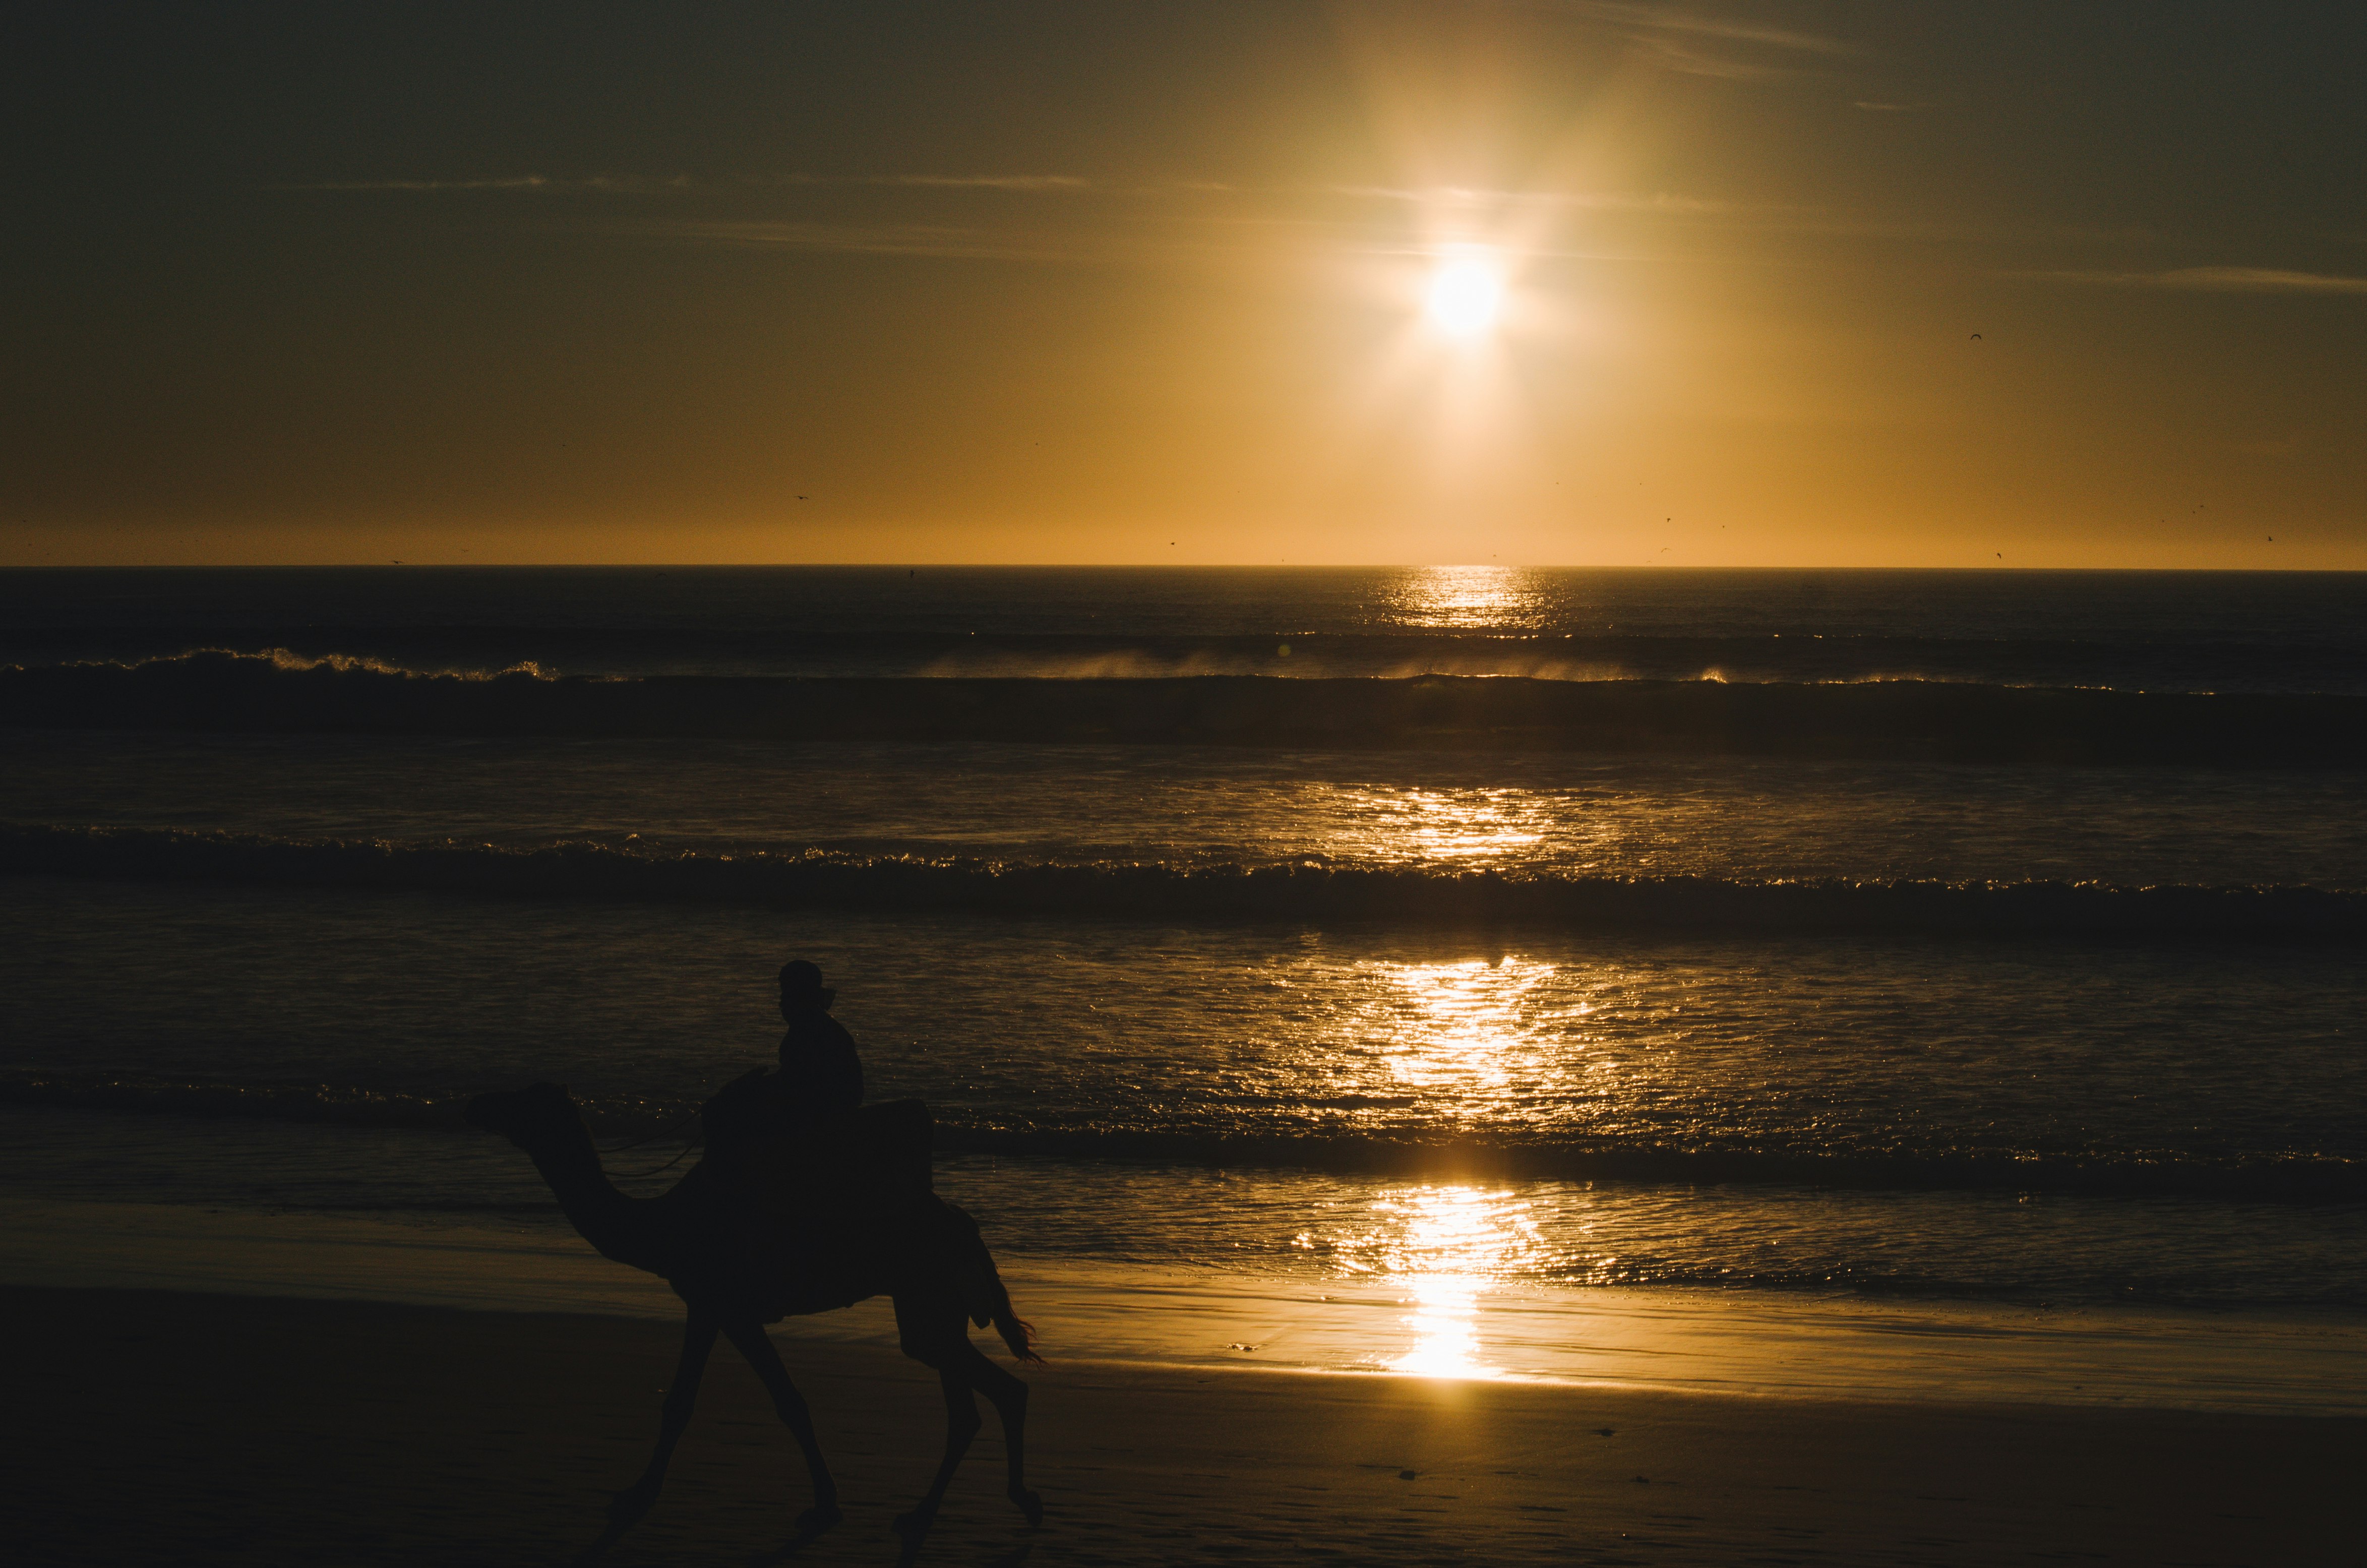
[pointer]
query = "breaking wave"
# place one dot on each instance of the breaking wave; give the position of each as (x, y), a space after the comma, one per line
(1919, 719)
(2263, 1178)
(1312, 891)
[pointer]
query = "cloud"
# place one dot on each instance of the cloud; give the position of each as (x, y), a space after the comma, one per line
(1672, 19)
(1461, 195)
(622, 184)
(1689, 40)
(865, 239)
(2220, 280)
(935, 182)
(981, 182)
(633, 185)
(1877, 108)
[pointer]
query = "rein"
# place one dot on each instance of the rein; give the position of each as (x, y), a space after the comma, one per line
(661, 1170)
(667, 1131)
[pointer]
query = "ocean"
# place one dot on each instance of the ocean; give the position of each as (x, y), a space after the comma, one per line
(1749, 942)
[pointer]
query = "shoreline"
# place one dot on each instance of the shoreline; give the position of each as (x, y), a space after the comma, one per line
(204, 1429)
(1788, 1347)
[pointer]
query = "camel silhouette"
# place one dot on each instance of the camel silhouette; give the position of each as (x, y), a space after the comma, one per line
(737, 1268)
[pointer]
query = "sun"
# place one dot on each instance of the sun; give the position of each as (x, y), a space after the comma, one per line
(1464, 298)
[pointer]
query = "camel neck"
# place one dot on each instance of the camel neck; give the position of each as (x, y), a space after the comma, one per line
(604, 1216)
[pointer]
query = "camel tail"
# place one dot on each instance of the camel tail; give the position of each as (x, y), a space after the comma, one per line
(1016, 1331)
(1018, 1334)
(984, 1293)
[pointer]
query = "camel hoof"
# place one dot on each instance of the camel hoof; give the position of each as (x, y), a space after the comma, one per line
(914, 1526)
(1030, 1504)
(627, 1508)
(818, 1518)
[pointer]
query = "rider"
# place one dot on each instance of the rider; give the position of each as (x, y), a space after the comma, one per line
(756, 1127)
(820, 1075)
(808, 1169)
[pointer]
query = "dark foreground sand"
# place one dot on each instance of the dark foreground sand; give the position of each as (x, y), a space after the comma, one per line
(149, 1427)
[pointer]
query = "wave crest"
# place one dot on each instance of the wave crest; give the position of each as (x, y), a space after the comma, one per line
(1306, 891)
(2263, 1178)
(1918, 719)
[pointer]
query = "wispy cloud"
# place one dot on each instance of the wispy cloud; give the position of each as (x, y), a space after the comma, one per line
(1435, 196)
(633, 185)
(931, 182)
(865, 239)
(620, 184)
(1702, 42)
(1699, 24)
(2219, 281)
(981, 182)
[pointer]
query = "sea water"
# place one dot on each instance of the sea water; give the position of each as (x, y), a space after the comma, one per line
(1944, 940)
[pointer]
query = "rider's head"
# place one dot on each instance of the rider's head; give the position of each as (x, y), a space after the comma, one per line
(802, 990)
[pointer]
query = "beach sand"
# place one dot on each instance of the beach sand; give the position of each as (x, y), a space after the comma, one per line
(153, 1427)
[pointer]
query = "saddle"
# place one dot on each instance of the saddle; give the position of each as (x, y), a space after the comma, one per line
(856, 1188)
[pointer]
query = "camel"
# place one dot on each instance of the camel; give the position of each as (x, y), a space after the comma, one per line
(737, 1270)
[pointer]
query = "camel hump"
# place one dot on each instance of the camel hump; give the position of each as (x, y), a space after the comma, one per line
(896, 1120)
(887, 1146)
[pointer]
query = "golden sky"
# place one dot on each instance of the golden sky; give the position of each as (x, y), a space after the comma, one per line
(1816, 283)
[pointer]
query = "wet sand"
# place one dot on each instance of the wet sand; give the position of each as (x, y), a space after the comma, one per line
(1830, 1346)
(152, 1426)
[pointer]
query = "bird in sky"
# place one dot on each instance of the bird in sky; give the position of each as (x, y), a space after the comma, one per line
(1977, 337)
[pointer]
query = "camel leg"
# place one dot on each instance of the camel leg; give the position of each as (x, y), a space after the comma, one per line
(626, 1511)
(1009, 1396)
(753, 1343)
(940, 1340)
(927, 1331)
(961, 1424)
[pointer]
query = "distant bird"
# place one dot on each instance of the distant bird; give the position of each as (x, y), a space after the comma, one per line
(2273, 539)
(800, 497)
(2000, 555)
(1977, 337)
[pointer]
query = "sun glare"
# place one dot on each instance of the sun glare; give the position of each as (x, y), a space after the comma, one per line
(1464, 298)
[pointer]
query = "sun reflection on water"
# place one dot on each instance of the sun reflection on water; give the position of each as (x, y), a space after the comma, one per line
(1447, 1244)
(1451, 596)
(1469, 825)
(1472, 1021)
(1488, 1041)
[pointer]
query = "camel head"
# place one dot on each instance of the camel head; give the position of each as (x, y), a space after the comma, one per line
(526, 1116)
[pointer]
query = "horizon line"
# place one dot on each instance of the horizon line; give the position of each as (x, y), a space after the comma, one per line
(1101, 566)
